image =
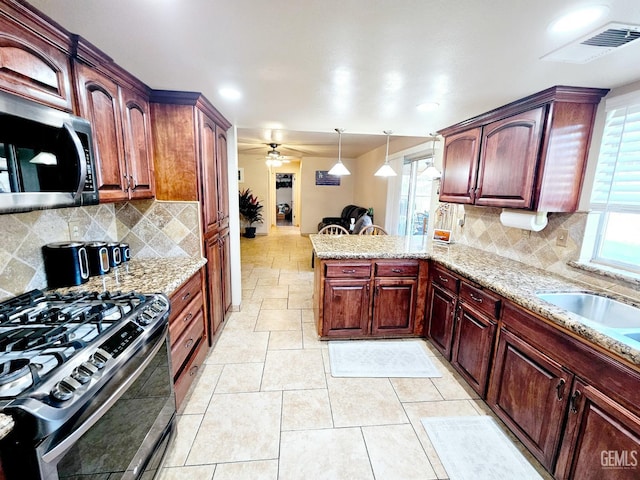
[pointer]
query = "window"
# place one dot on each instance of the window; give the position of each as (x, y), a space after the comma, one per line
(415, 196)
(615, 198)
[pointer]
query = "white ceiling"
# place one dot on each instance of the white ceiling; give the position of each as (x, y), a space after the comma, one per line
(307, 67)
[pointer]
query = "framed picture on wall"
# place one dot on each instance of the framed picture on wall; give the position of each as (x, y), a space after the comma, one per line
(323, 178)
(241, 175)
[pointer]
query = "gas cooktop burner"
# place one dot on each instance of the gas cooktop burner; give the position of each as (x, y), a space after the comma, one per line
(41, 332)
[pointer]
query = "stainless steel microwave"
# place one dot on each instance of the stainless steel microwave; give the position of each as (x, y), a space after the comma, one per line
(46, 157)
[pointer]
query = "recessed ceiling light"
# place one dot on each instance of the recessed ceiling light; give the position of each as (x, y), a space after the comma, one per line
(230, 93)
(578, 19)
(428, 106)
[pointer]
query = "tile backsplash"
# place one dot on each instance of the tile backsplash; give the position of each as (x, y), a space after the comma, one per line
(152, 229)
(482, 229)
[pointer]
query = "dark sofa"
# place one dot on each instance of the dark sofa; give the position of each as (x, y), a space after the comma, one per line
(348, 212)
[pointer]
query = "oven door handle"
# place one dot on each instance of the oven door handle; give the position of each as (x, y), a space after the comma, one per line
(70, 439)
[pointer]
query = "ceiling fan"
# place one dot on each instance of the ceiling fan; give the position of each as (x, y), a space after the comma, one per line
(274, 159)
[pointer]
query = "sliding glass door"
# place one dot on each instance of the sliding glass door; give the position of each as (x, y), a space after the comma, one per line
(415, 197)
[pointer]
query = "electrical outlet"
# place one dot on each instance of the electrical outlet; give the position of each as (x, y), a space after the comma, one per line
(561, 239)
(74, 230)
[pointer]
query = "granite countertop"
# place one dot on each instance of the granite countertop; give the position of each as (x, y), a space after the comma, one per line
(148, 275)
(513, 280)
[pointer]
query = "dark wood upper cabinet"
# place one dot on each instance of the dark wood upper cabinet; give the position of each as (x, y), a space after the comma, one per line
(117, 105)
(529, 154)
(35, 55)
(461, 152)
(507, 167)
(98, 101)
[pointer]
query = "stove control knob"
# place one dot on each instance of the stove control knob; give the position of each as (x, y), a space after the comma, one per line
(88, 368)
(100, 358)
(61, 392)
(145, 318)
(81, 374)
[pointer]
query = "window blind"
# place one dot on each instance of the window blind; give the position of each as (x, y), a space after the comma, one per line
(617, 179)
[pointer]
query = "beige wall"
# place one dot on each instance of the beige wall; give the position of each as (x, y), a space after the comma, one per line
(318, 201)
(256, 177)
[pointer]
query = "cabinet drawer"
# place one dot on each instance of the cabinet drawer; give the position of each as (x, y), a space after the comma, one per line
(342, 270)
(480, 299)
(188, 375)
(397, 269)
(445, 280)
(185, 344)
(181, 298)
(182, 319)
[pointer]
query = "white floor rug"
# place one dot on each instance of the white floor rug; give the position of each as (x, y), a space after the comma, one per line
(380, 358)
(474, 448)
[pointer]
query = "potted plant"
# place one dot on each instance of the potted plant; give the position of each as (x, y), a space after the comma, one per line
(251, 210)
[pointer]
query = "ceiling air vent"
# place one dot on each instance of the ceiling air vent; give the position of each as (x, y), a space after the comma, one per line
(602, 41)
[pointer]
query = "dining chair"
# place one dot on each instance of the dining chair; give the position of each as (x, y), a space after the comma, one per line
(329, 230)
(373, 230)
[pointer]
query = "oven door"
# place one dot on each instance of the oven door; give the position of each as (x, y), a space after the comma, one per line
(128, 434)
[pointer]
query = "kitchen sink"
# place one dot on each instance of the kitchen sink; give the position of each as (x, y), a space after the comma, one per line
(600, 310)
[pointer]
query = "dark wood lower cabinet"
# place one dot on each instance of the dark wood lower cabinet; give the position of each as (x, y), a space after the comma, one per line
(215, 285)
(441, 311)
(394, 306)
(346, 304)
(602, 438)
(529, 392)
(472, 347)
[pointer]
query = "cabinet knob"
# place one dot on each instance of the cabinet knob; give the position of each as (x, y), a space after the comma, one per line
(397, 270)
(186, 295)
(575, 398)
(193, 370)
(349, 271)
(443, 279)
(188, 343)
(188, 317)
(560, 389)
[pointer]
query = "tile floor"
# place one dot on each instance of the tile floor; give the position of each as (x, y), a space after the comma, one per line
(266, 407)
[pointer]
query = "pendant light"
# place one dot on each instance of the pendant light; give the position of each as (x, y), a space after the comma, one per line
(385, 170)
(432, 173)
(339, 168)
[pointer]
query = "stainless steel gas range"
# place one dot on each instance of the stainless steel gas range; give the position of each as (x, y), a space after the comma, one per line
(86, 378)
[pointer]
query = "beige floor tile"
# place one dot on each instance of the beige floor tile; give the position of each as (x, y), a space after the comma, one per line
(285, 340)
(199, 472)
(293, 370)
(251, 307)
(415, 389)
(308, 316)
(202, 390)
(450, 385)
(267, 282)
(278, 320)
(310, 337)
(364, 401)
(242, 321)
(240, 347)
(451, 408)
(240, 377)
(186, 429)
(260, 470)
(270, 292)
(299, 300)
(247, 293)
(332, 454)
(396, 453)
(296, 280)
(238, 427)
(306, 410)
(274, 304)
(249, 282)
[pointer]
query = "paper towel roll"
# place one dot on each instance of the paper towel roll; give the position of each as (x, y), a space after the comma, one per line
(534, 221)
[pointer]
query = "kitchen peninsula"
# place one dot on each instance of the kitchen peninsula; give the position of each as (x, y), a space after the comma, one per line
(566, 390)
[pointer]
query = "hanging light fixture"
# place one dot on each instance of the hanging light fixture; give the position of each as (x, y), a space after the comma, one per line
(385, 170)
(432, 172)
(339, 168)
(274, 159)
